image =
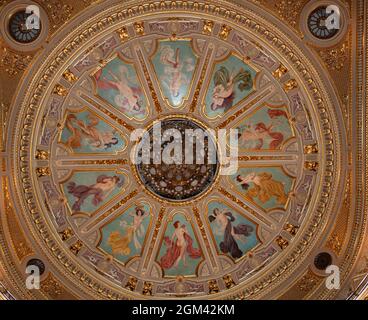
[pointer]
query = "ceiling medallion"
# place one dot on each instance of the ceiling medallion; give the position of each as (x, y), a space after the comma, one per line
(184, 178)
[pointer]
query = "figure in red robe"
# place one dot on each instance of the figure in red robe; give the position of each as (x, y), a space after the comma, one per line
(178, 248)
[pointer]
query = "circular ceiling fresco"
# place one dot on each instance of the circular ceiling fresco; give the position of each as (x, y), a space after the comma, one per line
(115, 229)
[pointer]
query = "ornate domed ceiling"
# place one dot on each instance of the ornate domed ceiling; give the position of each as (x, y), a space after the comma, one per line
(98, 226)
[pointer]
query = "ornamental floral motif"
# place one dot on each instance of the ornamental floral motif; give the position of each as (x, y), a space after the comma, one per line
(13, 63)
(335, 58)
(289, 10)
(58, 12)
(51, 287)
(307, 283)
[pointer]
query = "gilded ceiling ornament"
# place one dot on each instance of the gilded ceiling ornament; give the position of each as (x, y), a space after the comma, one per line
(291, 229)
(289, 10)
(132, 283)
(282, 242)
(229, 282)
(23, 249)
(335, 243)
(66, 234)
(203, 232)
(224, 32)
(69, 76)
(311, 148)
(155, 234)
(280, 71)
(207, 27)
(43, 171)
(76, 247)
(52, 287)
(60, 90)
(123, 34)
(139, 28)
(290, 85)
(240, 296)
(13, 63)
(58, 12)
(42, 155)
(147, 289)
(213, 287)
(149, 83)
(197, 91)
(311, 165)
(335, 58)
(348, 190)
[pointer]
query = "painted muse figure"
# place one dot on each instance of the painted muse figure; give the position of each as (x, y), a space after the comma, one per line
(175, 68)
(256, 136)
(179, 247)
(100, 190)
(138, 227)
(264, 187)
(224, 91)
(128, 97)
(133, 231)
(232, 234)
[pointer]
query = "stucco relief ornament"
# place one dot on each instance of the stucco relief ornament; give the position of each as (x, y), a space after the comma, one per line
(12, 62)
